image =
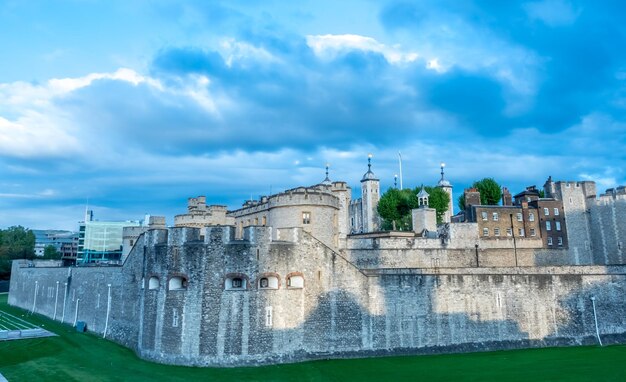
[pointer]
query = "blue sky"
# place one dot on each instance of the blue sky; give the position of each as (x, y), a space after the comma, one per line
(135, 106)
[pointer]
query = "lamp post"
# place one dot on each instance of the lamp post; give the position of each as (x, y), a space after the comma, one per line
(514, 243)
(400, 164)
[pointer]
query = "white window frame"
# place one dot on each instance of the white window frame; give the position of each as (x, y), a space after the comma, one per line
(509, 231)
(533, 232)
(306, 217)
(519, 217)
(484, 215)
(549, 240)
(559, 241)
(531, 217)
(495, 216)
(496, 231)
(548, 226)
(557, 225)
(521, 232)
(546, 211)
(556, 211)
(485, 231)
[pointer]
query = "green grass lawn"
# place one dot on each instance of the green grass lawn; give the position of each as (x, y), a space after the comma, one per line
(74, 356)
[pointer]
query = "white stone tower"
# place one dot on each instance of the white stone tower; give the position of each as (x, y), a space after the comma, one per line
(370, 195)
(447, 187)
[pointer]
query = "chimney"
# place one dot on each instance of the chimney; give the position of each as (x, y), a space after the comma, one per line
(507, 199)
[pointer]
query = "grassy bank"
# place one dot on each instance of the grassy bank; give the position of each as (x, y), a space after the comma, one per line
(74, 356)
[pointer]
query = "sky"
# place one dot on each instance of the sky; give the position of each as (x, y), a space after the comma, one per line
(131, 107)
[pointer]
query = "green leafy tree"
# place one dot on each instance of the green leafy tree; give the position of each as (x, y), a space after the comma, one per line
(395, 206)
(439, 200)
(50, 252)
(461, 202)
(490, 191)
(16, 242)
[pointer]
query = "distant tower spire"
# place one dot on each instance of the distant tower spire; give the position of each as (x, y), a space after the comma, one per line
(442, 166)
(447, 187)
(327, 180)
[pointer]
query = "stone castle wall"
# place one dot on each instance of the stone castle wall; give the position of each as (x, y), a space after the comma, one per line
(341, 310)
(607, 216)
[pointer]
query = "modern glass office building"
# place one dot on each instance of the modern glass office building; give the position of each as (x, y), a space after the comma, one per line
(101, 241)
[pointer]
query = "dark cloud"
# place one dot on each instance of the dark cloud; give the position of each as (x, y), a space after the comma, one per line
(578, 60)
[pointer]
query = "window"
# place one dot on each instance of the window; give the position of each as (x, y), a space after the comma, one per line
(177, 283)
(153, 283)
(557, 226)
(264, 219)
(496, 231)
(132, 242)
(549, 240)
(295, 281)
(548, 226)
(485, 231)
(519, 216)
(570, 200)
(235, 281)
(306, 218)
(268, 282)
(546, 212)
(531, 217)
(484, 215)
(495, 216)
(509, 232)
(256, 221)
(559, 241)
(521, 231)
(532, 232)
(556, 211)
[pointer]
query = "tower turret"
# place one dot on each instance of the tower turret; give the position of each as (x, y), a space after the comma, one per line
(447, 187)
(370, 195)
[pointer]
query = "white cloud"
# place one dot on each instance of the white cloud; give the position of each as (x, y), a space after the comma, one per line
(242, 52)
(330, 46)
(33, 125)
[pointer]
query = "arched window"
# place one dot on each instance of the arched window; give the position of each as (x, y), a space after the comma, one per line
(153, 283)
(268, 281)
(295, 280)
(177, 283)
(235, 281)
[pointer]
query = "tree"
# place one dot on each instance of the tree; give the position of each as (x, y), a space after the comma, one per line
(490, 191)
(439, 200)
(16, 242)
(50, 252)
(461, 202)
(395, 206)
